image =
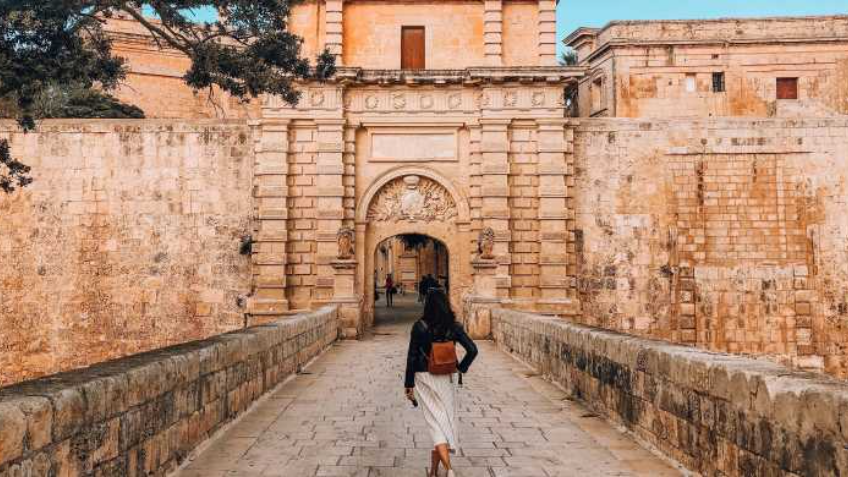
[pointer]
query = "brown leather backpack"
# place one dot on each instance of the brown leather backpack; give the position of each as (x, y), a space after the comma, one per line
(442, 359)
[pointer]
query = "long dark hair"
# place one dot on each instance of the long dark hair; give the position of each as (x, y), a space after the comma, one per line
(438, 314)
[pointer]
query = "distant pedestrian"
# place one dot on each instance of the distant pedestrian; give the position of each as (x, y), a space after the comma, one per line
(429, 377)
(390, 290)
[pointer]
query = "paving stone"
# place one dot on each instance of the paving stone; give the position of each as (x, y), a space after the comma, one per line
(348, 417)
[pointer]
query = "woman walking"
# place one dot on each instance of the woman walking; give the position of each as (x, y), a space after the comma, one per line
(430, 381)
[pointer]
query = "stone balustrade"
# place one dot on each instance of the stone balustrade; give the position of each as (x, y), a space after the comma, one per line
(143, 414)
(716, 414)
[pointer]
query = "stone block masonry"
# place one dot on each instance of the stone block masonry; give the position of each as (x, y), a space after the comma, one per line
(717, 414)
(726, 234)
(143, 414)
(128, 240)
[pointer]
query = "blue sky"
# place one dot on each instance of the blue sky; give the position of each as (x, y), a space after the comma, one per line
(595, 13)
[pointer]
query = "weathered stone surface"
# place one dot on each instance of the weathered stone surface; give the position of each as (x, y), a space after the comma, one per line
(769, 420)
(626, 78)
(88, 422)
(12, 432)
(126, 223)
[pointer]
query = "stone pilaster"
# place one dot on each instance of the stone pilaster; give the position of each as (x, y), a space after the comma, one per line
(554, 147)
(270, 237)
(494, 194)
(547, 33)
(493, 32)
(333, 25)
(329, 203)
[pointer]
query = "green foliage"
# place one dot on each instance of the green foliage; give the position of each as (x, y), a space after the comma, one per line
(44, 43)
(75, 101)
(16, 174)
(568, 58)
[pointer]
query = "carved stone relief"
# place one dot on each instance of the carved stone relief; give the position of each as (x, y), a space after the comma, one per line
(510, 98)
(538, 98)
(345, 238)
(486, 244)
(412, 198)
(398, 100)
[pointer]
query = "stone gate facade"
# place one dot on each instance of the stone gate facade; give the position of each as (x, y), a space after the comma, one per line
(445, 154)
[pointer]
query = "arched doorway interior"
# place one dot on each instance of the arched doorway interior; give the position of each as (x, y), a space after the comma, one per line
(410, 260)
(414, 201)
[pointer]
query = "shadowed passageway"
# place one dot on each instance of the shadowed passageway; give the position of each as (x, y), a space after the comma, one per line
(346, 416)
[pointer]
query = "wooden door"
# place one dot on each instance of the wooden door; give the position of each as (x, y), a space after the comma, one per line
(412, 48)
(787, 88)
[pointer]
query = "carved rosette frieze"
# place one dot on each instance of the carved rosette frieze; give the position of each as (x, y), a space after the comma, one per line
(446, 100)
(412, 198)
(311, 99)
(398, 100)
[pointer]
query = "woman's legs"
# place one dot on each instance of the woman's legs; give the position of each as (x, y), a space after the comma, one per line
(444, 455)
(434, 463)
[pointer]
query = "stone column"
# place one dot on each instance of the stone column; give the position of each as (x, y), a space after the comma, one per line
(329, 204)
(494, 193)
(554, 213)
(493, 32)
(270, 237)
(336, 281)
(490, 201)
(547, 33)
(333, 25)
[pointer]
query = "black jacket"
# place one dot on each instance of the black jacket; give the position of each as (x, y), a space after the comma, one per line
(420, 342)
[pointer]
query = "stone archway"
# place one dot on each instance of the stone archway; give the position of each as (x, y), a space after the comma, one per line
(413, 200)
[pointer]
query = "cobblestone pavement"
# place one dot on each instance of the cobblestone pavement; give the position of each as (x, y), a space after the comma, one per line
(346, 416)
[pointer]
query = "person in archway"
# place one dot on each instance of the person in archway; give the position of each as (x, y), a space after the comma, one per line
(429, 382)
(390, 290)
(423, 285)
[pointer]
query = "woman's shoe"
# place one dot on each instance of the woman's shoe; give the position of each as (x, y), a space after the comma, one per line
(451, 473)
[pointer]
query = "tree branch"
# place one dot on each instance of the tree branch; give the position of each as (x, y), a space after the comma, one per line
(157, 31)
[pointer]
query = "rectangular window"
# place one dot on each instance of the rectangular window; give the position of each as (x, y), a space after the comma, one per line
(787, 88)
(691, 83)
(718, 83)
(412, 48)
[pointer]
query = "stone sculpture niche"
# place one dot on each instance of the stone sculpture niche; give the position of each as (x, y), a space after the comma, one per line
(486, 244)
(345, 238)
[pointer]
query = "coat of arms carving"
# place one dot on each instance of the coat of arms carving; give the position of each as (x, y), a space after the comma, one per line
(412, 198)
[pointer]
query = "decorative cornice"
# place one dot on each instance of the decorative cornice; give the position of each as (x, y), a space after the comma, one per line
(475, 75)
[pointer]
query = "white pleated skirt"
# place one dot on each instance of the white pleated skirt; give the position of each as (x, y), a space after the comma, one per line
(436, 394)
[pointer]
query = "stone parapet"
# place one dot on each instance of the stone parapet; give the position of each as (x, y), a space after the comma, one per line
(143, 414)
(716, 414)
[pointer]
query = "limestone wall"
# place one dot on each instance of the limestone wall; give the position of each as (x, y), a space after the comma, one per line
(142, 415)
(155, 81)
(724, 29)
(128, 240)
(716, 414)
(453, 33)
(652, 82)
(726, 234)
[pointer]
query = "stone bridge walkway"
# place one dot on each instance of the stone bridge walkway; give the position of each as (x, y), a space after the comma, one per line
(346, 416)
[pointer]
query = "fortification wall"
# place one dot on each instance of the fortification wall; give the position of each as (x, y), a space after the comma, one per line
(144, 414)
(714, 413)
(128, 240)
(726, 234)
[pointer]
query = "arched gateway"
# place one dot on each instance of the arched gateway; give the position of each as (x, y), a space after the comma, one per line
(413, 200)
(479, 159)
